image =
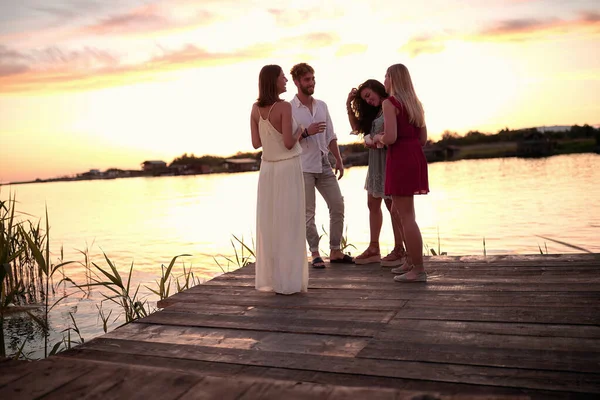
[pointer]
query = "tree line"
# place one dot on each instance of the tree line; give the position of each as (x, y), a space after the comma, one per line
(449, 138)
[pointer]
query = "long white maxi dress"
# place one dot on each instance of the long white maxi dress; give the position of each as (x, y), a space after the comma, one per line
(281, 260)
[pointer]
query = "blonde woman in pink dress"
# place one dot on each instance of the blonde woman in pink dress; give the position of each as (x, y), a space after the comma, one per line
(405, 134)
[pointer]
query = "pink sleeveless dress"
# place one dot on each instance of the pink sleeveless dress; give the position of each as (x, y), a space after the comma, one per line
(406, 165)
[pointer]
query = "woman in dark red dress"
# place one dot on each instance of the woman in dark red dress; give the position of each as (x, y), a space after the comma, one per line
(405, 135)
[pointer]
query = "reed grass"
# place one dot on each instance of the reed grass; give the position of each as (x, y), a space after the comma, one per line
(26, 270)
(241, 257)
(46, 271)
(344, 242)
(484, 250)
(164, 283)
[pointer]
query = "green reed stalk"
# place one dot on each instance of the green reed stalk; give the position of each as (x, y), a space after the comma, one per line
(46, 270)
(564, 244)
(484, 251)
(129, 301)
(240, 258)
(344, 242)
(164, 284)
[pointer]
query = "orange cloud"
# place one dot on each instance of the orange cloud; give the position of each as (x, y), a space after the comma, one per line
(67, 77)
(148, 19)
(53, 70)
(508, 31)
(532, 29)
(424, 44)
(142, 21)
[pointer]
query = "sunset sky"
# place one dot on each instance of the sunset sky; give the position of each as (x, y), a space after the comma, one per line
(98, 84)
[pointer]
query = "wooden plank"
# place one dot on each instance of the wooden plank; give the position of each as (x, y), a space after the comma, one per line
(44, 377)
(370, 300)
(363, 306)
(477, 375)
(288, 324)
(575, 298)
(438, 276)
(235, 372)
(117, 359)
(339, 346)
(210, 388)
(503, 340)
(522, 329)
(123, 382)
(545, 300)
(92, 385)
(146, 384)
(433, 286)
(525, 358)
(258, 311)
(287, 390)
(581, 316)
(11, 370)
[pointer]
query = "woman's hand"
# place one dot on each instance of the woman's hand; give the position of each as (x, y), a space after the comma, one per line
(351, 97)
(369, 143)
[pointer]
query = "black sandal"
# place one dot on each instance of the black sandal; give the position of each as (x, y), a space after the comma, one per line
(344, 260)
(318, 263)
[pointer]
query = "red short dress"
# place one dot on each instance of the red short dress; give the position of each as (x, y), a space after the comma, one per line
(406, 165)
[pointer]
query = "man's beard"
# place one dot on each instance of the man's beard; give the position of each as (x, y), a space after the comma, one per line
(308, 91)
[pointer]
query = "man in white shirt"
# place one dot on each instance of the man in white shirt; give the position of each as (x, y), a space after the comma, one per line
(317, 140)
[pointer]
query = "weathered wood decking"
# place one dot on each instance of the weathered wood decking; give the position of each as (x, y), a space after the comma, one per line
(501, 327)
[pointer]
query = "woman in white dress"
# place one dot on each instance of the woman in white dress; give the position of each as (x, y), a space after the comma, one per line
(281, 261)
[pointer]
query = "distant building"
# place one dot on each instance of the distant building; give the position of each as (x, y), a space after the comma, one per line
(91, 174)
(112, 173)
(241, 164)
(153, 166)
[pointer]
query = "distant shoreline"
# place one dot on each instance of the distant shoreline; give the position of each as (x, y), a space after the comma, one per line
(352, 157)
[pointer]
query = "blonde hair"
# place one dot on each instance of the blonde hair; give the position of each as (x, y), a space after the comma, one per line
(402, 89)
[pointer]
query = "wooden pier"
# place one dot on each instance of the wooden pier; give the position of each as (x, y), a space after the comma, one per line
(504, 327)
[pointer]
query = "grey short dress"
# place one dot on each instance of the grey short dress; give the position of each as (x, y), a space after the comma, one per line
(375, 182)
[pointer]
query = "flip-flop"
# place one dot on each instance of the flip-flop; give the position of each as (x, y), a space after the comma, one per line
(318, 263)
(344, 260)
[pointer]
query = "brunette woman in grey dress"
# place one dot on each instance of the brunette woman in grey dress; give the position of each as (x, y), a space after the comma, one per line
(366, 118)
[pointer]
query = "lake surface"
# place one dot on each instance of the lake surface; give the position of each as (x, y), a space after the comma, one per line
(510, 202)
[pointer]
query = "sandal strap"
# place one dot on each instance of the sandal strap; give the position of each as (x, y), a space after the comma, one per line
(367, 253)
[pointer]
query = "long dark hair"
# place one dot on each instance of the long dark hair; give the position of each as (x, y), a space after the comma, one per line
(267, 85)
(366, 113)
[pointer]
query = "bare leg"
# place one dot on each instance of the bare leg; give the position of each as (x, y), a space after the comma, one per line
(398, 257)
(372, 253)
(404, 213)
(396, 227)
(375, 219)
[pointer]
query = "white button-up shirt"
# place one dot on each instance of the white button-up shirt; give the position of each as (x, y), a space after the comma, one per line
(316, 146)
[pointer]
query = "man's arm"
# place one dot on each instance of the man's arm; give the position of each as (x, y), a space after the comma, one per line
(332, 143)
(335, 150)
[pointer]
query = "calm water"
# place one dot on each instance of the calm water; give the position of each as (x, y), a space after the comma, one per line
(509, 202)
